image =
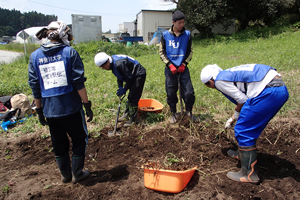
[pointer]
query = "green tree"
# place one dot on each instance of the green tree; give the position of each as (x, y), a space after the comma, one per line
(13, 21)
(265, 11)
(202, 14)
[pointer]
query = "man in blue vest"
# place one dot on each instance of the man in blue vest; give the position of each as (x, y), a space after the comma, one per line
(258, 92)
(176, 52)
(127, 70)
(56, 78)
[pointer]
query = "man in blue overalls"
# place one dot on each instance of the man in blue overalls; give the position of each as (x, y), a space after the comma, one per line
(258, 92)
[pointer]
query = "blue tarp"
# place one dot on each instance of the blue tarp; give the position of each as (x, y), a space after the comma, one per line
(157, 35)
(5, 125)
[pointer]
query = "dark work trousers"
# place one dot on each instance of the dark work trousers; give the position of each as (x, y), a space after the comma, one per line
(73, 125)
(186, 87)
(136, 90)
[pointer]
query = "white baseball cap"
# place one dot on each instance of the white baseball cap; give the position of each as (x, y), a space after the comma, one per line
(101, 58)
(209, 71)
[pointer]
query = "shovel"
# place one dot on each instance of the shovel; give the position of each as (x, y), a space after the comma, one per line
(178, 79)
(114, 132)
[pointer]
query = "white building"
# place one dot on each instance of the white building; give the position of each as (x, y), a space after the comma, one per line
(127, 27)
(86, 28)
(149, 20)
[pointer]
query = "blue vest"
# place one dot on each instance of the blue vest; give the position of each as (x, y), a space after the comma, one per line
(176, 47)
(54, 72)
(244, 73)
(114, 69)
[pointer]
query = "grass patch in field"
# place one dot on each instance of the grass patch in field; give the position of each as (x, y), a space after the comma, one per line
(277, 47)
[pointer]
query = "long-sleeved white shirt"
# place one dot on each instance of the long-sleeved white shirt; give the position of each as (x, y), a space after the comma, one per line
(253, 89)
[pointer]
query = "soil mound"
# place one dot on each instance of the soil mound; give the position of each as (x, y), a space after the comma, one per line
(28, 169)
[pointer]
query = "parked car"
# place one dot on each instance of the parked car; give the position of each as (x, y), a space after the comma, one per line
(6, 39)
(122, 35)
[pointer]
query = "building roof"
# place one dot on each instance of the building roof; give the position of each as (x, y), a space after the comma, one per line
(32, 30)
(154, 11)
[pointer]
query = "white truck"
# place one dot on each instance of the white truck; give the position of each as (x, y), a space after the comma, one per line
(86, 28)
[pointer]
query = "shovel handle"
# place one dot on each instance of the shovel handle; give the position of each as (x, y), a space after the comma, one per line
(120, 101)
(179, 88)
(121, 97)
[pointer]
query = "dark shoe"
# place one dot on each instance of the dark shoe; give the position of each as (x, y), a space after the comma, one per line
(77, 167)
(65, 168)
(132, 115)
(233, 154)
(124, 117)
(173, 119)
(192, 117)
(129, 123)
(247, 174)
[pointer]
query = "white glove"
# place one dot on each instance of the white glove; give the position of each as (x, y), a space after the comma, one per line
(229, 123)
(236, 115)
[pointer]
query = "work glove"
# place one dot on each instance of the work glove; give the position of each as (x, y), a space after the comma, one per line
(88, 111)
(121, 91)
(41, 116)
(173, 69)
(229, 123)
(236, 115)
(181, 68)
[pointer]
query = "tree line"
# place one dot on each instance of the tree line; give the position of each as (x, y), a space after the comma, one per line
(203, 14)
(13, 21)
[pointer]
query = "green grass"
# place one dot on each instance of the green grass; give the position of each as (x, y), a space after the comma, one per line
(275, 46)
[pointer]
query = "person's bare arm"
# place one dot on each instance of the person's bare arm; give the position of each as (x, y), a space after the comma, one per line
(83, 95)
(38, 103)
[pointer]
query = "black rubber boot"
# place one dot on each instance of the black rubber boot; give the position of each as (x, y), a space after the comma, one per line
(247, 174)
(63, 164)
(233, 154)
(132, 116)
(173, 118)
(192, 117)
(125, 115)
(77, 167)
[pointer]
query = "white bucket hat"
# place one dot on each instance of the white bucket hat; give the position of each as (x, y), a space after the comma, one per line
(209, 71)
(101, 58)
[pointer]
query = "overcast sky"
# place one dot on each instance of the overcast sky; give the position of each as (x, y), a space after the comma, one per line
(113, 12)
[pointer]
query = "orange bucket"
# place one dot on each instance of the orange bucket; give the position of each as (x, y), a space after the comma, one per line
(150, 105)
(167, 180)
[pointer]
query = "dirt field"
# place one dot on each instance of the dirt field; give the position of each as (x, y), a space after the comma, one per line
(28, 169)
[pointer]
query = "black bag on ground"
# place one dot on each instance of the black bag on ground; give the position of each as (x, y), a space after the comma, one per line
(6, 101)
(10, 114)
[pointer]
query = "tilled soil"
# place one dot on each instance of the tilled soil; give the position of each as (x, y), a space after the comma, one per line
(28, 169)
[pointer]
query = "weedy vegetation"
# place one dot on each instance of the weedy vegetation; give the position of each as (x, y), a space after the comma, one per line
(277, 46)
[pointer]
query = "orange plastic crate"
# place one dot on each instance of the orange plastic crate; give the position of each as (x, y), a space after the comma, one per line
(150, 105)
(167, 180)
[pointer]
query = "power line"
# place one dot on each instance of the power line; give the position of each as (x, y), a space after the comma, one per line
(87, 12)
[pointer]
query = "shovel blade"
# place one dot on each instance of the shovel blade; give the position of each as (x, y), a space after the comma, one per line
(113, 133)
